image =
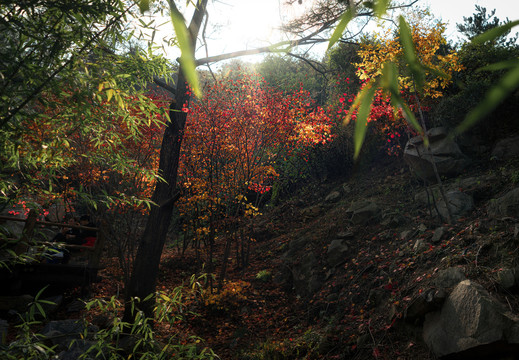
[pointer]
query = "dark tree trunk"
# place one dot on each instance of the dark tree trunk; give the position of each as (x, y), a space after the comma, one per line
(143, 278)
(146, 266)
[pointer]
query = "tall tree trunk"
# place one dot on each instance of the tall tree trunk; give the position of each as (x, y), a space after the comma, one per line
(146, 266)
(143, 278)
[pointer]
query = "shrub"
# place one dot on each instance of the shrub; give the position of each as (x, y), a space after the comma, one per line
(229, 297)
(264, 275)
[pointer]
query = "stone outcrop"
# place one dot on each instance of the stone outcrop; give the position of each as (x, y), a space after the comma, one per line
(506, 205)
(470, 317)
(443, 151)
(460, 204)
(337, 252)
(506, 149)
(363, 212)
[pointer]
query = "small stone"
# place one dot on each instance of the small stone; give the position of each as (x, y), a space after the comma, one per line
(332, 197)
(449, 278)
(345, 235)
(422, 228)
(506, 278)
(337, 253)
(407, 234)
(438, 234)
(419, 246)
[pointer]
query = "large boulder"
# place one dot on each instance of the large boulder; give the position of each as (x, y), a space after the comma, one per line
(469, 317)
(306, 276)
(506, 205)
(506, 149)
(363, 212)
(338, 252)
(460, 204)
(443, 151)
(61, 333)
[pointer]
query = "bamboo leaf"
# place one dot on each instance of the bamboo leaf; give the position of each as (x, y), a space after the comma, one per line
(343, 23)
(362, 118)
(144, 5)
(109, 94)
(506, 85)
(187, 58)
(502, 65)
(494, 33)
(390, 83)
(381, 7)
(406, 39)
(436, 72)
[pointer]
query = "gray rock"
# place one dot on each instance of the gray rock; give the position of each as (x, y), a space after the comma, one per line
(443, 151)
(345, 235)
(392, 219)
(460, 204)
(305, 278)
(296, 245)
(315, 283)
(408, 234)
(363, 212)
(469, 317)
(337, 252)
(449, 278)
(332, 197)
(419, 246)
(506, 278)
(506, 149)
(438, 234)
(63, 332)
(506, 205)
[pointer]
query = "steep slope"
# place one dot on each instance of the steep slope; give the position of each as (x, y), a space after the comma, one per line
(363, 268)
(361, 263)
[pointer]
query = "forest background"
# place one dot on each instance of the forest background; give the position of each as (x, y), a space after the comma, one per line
(86, 110)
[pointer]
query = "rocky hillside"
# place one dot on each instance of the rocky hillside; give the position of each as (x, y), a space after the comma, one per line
(366, 267)
(378, 272)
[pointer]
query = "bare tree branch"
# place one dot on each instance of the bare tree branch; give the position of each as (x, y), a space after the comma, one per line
(311, 63)
(311, 39)
(164, 85)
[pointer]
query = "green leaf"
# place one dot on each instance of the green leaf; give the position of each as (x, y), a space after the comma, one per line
(40, 309)
(406, 39)
(494, 33)
(506, 85)
(381, 7)
(187, 58)
(390, 83)
(436, 72)
(502, 65)
(109, 94)
(343, 23)
(144, 5)
(366, 99)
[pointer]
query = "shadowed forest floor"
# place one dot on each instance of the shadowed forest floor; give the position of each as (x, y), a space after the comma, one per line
(358, 310)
